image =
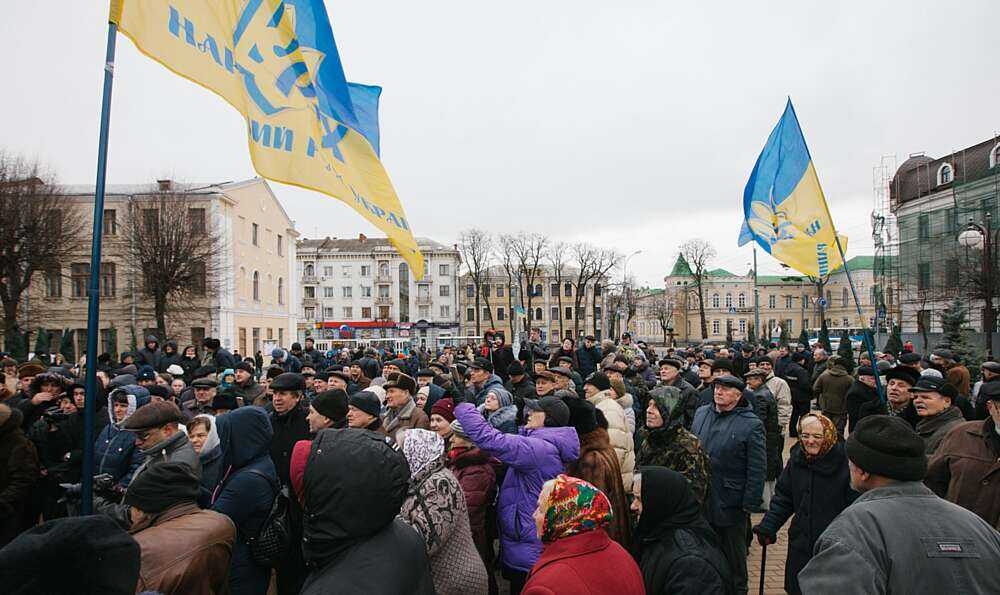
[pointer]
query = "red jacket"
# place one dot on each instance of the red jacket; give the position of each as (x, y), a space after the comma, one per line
(479, 482)
(585, 564)
(297, 467)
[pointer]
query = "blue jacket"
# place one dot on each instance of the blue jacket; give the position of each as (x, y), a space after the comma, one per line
(588, 359)
(115, 451)
(246, 490)
(735, 444)
(290, 363)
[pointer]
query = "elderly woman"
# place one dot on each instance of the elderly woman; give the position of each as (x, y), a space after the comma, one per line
(571, 519)
(677, 551)
(934, 400)
(665, 442)
(814, 487)
(435, 506)
(204, 438)
(500, 410)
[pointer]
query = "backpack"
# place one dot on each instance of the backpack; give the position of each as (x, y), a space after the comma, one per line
(274, 539)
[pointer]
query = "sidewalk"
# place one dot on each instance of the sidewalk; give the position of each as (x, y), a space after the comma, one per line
(774, 566)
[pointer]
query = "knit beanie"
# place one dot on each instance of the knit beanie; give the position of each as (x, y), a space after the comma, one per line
(158, 487)
(445, 408)
(599, 380)
(366, 401)
(887, 446)
(331, 403)
(458, 430)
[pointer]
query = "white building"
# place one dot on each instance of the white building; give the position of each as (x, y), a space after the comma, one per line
(362, 288)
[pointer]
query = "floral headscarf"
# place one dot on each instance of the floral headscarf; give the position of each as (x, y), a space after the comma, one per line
(574, 506)
(421, 448)
(830, 435)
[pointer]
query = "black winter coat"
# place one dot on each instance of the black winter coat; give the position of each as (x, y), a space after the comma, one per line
(797, 378)
(589, 359)
(766, 407)
(19, 470)
(815, 493)
(684, 564)
(876, 407)
(288, 429)
(859, 394)
(168, 358)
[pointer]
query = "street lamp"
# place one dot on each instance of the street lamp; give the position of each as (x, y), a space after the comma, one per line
(979, 237)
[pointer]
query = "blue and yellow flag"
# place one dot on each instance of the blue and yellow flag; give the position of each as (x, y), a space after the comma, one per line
(784, 207)
(276, 62)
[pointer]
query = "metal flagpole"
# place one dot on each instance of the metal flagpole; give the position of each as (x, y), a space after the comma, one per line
(94, 288)
(756, 294)
(861, 316)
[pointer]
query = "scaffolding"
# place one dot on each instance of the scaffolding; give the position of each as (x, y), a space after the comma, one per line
(886, 242)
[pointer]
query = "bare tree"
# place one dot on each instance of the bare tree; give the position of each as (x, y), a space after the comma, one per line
(39, 230)
(586, 259)
(529, 250)
(505, 253)
(607, 259)
(662, 309)
(557, 260)
(175, 251)
(698, 253)
(476, 247)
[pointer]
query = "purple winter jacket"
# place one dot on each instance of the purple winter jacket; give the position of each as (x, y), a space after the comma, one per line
(533, 456)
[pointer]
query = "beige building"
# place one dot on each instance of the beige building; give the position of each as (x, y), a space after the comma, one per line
(553, 307)
(790, 302)
(249, 303)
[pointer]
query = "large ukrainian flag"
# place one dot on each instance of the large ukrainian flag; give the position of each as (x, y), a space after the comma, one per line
(784, 207)
(276, 62)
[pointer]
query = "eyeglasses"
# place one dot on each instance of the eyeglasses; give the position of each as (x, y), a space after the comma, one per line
(803, 436)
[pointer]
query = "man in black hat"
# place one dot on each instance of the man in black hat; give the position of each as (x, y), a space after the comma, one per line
(566, 363)
(911, 360)
(364, 411)
(934, 400)
(225, 401)
(328, 410)
(987, 389)
(519, 385)
(862, 391)
(204, 393)
(733, 437)
(800, 389)
(897, 537)
(483, 379)
(251, 391)
(780, 389)
(670, 375)
(290, 425)
(899, 400)
(184, 549)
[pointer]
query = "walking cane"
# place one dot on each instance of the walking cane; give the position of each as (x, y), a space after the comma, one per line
(763, 560)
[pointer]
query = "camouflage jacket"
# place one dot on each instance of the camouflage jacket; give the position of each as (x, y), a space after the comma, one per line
(678, 449)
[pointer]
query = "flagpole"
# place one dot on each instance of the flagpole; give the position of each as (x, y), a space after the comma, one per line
(94, 288)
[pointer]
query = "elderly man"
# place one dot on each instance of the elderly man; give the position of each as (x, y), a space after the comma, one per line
(781, 391)
(733, 437)
(364, 411)
(898, 382)
(204, 393)
(897, 537)
(934, 400)
(401, 410)
(251, 391)
(546, 384)
(184, 549)
(670, 375)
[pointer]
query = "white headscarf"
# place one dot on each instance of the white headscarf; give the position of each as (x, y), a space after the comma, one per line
(421, 448)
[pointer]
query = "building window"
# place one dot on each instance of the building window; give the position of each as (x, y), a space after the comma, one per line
(499, 290)
(729, 300)
(346, 291)
(366, 312)
(424, 312)
(715, 300)
(53, 282)
(443, 270)
(281, 245)
(254, 229)
(743, 326)
(554, 313)
(568, 290)
(741, 300)
(445, 312)
(309, 313)
(366, 270)
(470, 314)
(199, 278)
(538, 313)
(554, 289)
(327, 271)
(309, 292)
(995, 155)
(788, 302)
(196, 220)
(486, 313)
(924, 226)
(79, 275)
(829, 298)
(445, 290)
(256, 286)
(715, 327)
(366, 291)
(923, 276)
(789, 326)
(772, 301)
(843, 297)
(328, 313)
(538, 291)
(308, 270)
(846, 322)
(110, 223)
(470, 291)
(500, 314)
(945, 174)
(597, 311)
(328, 292)
(150, 221)
(569, 312)
(383, 291)
(345, 271)
(597, 289)
(281, 291)
(348, 312)
(108, 279)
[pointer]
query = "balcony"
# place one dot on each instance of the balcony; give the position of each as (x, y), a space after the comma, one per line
(383, 301)
(310, 279)
(424, 300)
(308, 302)
(379, 278)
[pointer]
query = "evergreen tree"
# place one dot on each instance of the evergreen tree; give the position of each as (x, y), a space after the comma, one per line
(804, 338)
(42, 345)
(752, 335)
(895, 342)
(729, 335)
(954, 325)
(824, 337)
(846, 351)
(783, 337)
(66, 346)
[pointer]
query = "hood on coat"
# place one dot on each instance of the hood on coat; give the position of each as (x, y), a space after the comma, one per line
(354, 485)
(171, 345)
(836, 370)
(565, 439)
(151, 339)
(244, 435)
(137, 397)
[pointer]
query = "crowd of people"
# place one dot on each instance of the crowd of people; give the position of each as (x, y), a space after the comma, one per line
(603, 467)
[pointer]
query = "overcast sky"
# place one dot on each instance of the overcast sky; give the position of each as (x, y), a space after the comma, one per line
(630, 124)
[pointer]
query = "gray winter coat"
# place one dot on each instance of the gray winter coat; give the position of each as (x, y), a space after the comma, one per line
(904, 539)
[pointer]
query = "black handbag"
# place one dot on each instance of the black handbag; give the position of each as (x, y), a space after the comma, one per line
(275, 536)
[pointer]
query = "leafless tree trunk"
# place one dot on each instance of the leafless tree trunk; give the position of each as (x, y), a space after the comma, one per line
(586, 259)
(606, 261)
(505, 252)
(698, 253)
(557, 259)
(528, 250)
(476, 247)
(176, 250)
(663, 310)
(39, 231)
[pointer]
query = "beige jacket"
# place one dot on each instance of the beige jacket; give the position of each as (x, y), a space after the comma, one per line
(621, 438)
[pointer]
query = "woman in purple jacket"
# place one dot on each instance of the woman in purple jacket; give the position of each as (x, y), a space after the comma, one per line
(537, 453)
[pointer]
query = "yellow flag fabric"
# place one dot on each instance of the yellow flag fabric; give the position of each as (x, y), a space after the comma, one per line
(276, 62)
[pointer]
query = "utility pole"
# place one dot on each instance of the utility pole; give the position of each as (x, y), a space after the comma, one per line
(756, 295)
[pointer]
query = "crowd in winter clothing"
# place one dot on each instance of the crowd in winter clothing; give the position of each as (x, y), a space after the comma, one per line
(576, 469)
